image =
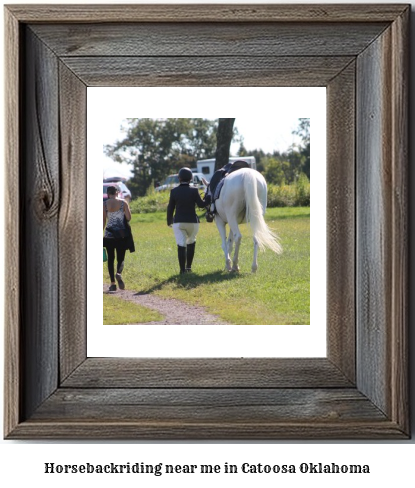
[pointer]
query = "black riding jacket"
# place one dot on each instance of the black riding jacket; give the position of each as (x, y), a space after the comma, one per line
(183, 200)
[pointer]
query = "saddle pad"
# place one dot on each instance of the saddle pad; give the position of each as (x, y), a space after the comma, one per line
(218, 189)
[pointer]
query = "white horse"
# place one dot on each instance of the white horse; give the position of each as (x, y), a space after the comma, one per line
(244, 198)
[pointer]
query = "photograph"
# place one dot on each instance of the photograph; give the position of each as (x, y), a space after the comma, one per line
(219, 215)
(206, 221)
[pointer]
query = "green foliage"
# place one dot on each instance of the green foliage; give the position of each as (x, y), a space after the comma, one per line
(294, 195)
(284, 168)
(275, 170)
(302, 187)
(279, 293)
(152, 202)
(303, 131)
(302, 150)
(157, 147)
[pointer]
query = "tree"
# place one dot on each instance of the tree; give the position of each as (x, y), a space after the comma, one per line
(260, 158)
(276, 170)
(302, 158)
(224, 138)
(287, 166)
(157, 147)
(303, 131)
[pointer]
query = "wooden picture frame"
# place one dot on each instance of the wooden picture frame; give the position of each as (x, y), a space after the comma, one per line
(360, 53)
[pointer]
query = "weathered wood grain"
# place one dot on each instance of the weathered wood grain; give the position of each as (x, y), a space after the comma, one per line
(213, 431)
(13, 243)
(341, 236)
(382, 222)
(72, 222)
(198, 39)
(209, 414)
(207, 13)
(373, 221)
(208, 399)
(382, 245)
(206, 71)
(40, 180)
(209, 405)
(400, 234)
(206, 373)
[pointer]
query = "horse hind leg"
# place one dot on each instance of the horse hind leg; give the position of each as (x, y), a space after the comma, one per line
(237, 237)
(230, 242)
(220, 224)
(255, 261)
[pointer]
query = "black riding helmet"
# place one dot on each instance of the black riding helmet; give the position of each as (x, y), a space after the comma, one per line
(185, 174)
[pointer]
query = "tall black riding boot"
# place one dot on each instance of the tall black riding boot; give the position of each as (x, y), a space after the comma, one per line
(190, 255)
(181, 252)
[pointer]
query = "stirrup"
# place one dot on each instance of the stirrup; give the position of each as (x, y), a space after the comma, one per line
(209, 217)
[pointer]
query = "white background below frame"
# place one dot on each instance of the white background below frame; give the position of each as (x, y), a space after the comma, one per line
(106, 104)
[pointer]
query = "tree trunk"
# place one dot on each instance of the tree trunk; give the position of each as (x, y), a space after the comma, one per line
(223, 144)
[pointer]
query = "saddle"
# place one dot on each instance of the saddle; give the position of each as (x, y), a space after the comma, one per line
(217, 181)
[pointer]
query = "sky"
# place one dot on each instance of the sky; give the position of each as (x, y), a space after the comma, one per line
(270, 135)
(265, 117)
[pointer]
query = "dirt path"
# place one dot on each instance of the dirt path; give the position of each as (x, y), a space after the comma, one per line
(175, 312)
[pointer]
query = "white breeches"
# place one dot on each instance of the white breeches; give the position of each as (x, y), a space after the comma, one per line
(185, 233)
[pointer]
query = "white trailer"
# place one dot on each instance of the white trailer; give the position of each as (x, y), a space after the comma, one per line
(207, 166)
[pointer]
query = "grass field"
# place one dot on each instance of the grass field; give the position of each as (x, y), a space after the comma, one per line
(118, 312)
(278, 293)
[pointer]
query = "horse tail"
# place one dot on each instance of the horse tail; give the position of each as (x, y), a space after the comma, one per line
(255, 214)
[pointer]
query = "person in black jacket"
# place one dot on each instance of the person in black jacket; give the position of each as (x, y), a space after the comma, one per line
(181, 214)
